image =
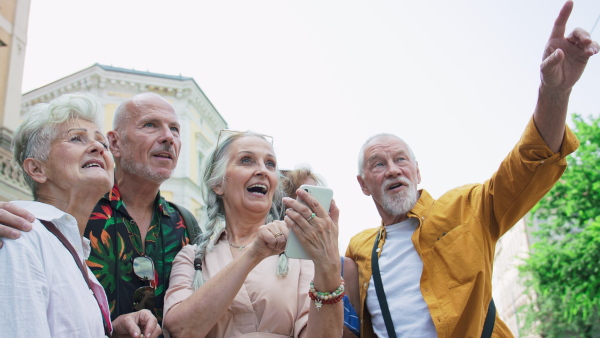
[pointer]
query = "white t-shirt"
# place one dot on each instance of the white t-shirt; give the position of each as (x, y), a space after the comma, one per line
(401, 269)
(42, 291)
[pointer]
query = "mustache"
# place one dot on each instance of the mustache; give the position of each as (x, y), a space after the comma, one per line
(391, 181)
(164, 148)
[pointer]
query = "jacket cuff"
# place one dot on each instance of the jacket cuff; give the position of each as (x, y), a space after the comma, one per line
(534, 151)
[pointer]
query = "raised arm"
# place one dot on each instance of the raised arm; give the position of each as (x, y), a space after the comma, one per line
(563, 63)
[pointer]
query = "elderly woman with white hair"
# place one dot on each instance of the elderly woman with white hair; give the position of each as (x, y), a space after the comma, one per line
(46, 289)
(234, 282)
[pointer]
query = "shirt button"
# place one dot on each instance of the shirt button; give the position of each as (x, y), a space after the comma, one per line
(132, 221)
(542, 161)
(378, 249)
(422, 217)
(365, 285)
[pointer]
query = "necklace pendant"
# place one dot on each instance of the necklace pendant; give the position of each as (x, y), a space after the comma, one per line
(241, 247)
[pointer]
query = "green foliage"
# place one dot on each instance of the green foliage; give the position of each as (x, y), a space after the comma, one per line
(563, 269)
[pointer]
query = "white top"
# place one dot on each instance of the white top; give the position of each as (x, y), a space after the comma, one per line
(401, 269)
(42, 291)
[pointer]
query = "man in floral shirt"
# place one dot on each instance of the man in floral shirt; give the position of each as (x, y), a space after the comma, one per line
(133, 220)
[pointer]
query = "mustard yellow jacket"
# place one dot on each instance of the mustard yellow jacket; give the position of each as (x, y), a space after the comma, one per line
(457, 236)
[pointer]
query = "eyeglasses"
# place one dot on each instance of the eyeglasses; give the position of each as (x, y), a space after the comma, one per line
(227, 133)
(143, 298)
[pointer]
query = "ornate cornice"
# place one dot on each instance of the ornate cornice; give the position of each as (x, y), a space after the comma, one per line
(99, 78)
(11, 175)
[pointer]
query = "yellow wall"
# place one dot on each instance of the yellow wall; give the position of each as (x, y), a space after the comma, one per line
(193, 154)
(168, 195)
(195, 205)
(4, 63)
(109, 112)
(7, 10)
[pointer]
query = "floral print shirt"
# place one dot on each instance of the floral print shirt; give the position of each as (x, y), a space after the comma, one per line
(115, 241)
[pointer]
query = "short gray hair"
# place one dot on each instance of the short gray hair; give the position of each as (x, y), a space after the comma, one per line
(34, 136)
(361, 153)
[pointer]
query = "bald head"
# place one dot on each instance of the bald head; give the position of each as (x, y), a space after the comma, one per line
(136, 104)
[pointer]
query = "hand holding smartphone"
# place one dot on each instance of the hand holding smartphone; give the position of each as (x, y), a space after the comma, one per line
(324, 196)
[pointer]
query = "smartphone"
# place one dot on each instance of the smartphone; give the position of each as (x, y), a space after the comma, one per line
(323, 195)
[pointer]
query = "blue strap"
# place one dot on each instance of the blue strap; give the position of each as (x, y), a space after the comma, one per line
(351, 320)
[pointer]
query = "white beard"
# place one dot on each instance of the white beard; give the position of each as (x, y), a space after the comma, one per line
(402, 202)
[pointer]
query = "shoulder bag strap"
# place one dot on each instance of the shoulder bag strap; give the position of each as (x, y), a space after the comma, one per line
(490, 318)
(52, 228)
(385, 311)
(191, 223)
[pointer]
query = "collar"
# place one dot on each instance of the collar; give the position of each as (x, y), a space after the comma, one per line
(114, 196)
(423, 206)
(64, 222)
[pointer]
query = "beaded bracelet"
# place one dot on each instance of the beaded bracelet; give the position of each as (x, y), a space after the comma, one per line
(321, 298)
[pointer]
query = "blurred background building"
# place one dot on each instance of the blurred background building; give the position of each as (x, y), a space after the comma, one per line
(509, 291)
(14, 19)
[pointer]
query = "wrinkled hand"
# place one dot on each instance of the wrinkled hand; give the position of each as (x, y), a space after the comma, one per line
(270, 239)
(132, 324)
(319, 235)
(13, 220)
(565, 59)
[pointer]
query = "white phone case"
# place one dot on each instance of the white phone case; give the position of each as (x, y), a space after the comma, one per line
(323, 195)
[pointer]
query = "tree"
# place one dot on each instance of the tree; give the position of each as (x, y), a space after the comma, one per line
(563, 268)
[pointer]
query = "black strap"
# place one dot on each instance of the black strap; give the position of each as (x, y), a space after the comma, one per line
(190, 221)
(490, 318)
(52, 228)
(385, 311)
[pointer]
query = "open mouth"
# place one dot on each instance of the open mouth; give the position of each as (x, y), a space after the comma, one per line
(93, 165)
(163, 155)
(395, 185)
(258, 189)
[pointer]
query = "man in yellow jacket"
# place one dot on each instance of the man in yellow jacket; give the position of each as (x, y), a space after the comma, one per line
(435, 257)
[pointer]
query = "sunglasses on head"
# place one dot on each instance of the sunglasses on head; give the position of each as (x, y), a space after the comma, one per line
(227, 133)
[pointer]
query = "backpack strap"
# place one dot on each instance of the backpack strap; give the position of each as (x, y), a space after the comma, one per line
(190, 221)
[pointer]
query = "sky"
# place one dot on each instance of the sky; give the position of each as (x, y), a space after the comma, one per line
(457, 80)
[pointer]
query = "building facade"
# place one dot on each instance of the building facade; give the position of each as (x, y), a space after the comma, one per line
(14, 20)
(509, 291)
(200, 121)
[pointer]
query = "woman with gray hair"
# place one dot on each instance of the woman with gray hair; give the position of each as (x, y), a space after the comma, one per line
(46, 290)
(234, 281)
